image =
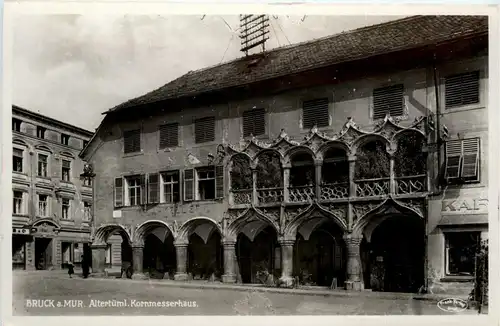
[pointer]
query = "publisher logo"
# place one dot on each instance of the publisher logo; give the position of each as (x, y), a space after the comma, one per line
(452, 305)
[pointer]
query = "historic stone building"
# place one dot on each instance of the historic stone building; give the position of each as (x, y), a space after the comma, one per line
(52, 205)
(355, 160)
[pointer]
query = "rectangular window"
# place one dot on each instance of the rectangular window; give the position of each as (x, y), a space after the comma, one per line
(135, 190)
(118, 192)
(66, 170)
(206, 183)
(153, 188)
(461, 89)
(43, 205)
(169, 135)
(65, 205)
(462, 160)
(204, 129)
(388, 101)
(189, 185)
(108, 255)
(254, 122)
(87, 181)
(65, 139)
(132, 141)
(17, 160)
(16, 125)
(18, 203)
(87, 211)
(170, 188)
(42, 165)
(40, 132)
(315, 113)
(460, 252)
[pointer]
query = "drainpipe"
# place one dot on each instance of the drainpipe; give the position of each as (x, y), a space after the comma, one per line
(438, 126)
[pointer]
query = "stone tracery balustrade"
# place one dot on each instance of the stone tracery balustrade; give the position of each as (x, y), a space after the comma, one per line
(334, 191)
(372, 187)
(242, 196)
(411, 184)
(270, 195)
(301, 194)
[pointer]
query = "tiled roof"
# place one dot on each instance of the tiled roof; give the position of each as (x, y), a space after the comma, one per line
(402, 34)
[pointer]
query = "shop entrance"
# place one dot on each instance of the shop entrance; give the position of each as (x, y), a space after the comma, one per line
(43, 253)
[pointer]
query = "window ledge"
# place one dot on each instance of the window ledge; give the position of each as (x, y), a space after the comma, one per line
(457, 278)
(67, 221)
(133, 154)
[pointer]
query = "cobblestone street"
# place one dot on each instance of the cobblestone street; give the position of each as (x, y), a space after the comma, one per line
(59, 287)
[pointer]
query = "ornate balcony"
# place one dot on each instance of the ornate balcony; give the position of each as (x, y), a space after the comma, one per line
(411, 184)
(334, 191)
(301, 194)
(242, 196)
(372, 187)
(270, 195)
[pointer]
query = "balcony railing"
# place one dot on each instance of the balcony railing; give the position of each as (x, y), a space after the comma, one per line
(334, 191)
(301, 194)
(372, 187)
(242, 196)
(411, 184)
(270, 195)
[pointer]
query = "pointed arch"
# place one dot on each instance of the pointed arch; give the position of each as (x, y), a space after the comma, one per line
(333, 144)
(190, 225)
(365, 139)
(248, 216)
(102, 234)
(297, 150)
(144, 228)
(266, 151)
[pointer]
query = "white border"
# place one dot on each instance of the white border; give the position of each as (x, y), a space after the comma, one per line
(115, 7)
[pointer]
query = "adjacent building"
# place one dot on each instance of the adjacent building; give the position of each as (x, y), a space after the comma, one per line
(355, 160)
(52, 205)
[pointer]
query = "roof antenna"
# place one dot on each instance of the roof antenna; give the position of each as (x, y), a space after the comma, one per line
(253, 32)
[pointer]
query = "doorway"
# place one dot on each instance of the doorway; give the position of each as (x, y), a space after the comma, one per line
(43, 253)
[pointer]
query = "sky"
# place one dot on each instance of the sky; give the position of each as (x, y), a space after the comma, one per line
(74, 67)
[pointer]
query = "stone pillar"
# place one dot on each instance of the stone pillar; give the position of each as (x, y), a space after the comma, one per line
(287, 262)
(392, 174)
(181, 252)
(229, 262)
(255, 198)
(137, 261)
(354, 267)
(318, 164)
(352, 173)
(286, 183)
(98, 259)
(29, 255)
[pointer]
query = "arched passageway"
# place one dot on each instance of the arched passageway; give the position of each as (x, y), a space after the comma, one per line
(205, 257)
(159, 258)
(258, 252)
(320, 255)
(396, 255)
(111, 250)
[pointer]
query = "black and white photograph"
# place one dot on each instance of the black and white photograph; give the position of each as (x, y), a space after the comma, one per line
(250, 164)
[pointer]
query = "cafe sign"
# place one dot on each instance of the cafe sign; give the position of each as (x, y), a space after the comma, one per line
(465, 206)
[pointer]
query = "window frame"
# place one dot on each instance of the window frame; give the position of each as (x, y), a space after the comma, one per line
(41, 132)
(65, 139)
(22, 208)
(66, 207)
(16, 124)
(374, 100)
(164, 184)
(198, 122)
(447, 251)
(22, 157)
(303, 111)
(141, 196)
(69, 169)
(47, 205)
(460, 90)
(130, 133)
(452, 153)
(47, 172)
(253, 113)
(169, 142)
(87, 211)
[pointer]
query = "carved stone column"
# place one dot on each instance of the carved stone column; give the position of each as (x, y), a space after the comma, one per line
(287, 262)
(229, 262)
(255, 198)
(352, 173)
(137, 261)
(392, 174)
(98, 259)
(354, 267)
(318, 164)
(181, 252)
(286, 183)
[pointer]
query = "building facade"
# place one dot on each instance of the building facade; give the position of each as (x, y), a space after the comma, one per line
(326, 162)
(52, 205)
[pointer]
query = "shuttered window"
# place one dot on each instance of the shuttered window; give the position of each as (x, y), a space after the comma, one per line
(153, 188)
(204, 129)
(254, 122)
(462, 159)
(189, 185)
(219, 181)
(462, 89)
(118, 192)
(132, 141)
(315, 113)
(388, 100)
(169, 135)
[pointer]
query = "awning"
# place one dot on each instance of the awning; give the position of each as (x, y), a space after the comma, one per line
(463, 219)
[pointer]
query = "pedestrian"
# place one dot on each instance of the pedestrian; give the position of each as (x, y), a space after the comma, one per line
(85, 267)
(71, 269)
